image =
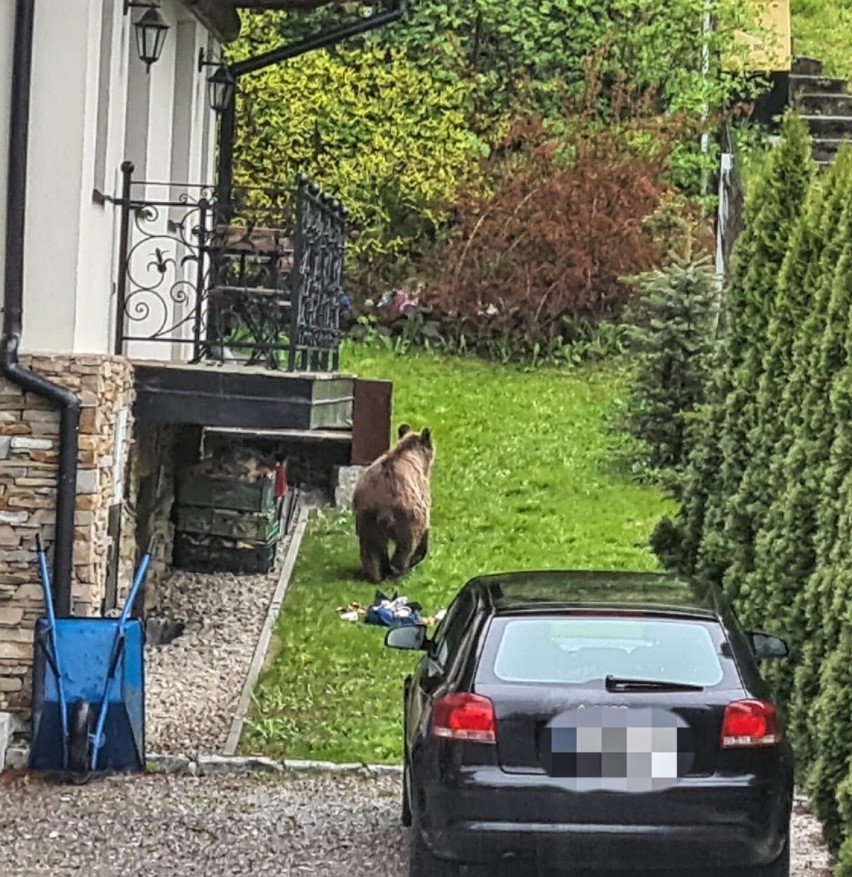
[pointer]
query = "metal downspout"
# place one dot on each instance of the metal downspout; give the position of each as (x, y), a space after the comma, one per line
(13, 295)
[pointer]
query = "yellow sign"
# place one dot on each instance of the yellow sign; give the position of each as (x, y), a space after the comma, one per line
(770, 49)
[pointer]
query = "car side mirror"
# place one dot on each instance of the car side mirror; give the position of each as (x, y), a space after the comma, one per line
(766, 646)
(410, 636)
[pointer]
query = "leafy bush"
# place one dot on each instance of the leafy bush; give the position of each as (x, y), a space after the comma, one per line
(673, 332)
(385, 136)
(563, 221)
(419, 328)
(393, 121)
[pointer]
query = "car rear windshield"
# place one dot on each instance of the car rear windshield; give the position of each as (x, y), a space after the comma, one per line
(573, 650)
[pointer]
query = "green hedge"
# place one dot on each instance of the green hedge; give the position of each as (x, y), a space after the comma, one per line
(768, 508)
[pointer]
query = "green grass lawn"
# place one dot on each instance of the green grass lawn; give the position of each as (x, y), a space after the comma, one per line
(523, 479)
(822, 29)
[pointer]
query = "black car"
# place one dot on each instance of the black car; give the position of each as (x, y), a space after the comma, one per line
(593, 723)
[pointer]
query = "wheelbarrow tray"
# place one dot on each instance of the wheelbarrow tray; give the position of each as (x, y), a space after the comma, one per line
(86, 646)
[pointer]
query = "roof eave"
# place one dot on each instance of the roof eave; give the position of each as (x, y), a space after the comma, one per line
(220, 17)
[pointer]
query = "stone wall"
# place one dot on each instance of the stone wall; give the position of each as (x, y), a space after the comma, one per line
(158, 451)
(29, 453)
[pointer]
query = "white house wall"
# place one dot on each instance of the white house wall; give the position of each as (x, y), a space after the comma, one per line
(94, 282)
(61, 77)
(157, 120)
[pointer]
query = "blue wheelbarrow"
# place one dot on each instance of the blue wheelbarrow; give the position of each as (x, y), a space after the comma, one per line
(88, 711)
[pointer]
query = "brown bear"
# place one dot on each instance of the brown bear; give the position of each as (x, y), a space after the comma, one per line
(392, 503)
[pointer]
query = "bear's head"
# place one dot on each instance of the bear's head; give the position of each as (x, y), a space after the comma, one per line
(419, 443)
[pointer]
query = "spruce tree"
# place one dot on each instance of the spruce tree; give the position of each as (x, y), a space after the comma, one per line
(673, 334)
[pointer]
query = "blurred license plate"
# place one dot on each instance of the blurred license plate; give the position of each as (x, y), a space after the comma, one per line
(617, 748)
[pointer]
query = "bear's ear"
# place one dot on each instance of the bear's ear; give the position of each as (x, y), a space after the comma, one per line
(404, 429)
(426, 437)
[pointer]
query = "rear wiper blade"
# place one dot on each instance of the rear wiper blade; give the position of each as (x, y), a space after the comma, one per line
(617, 683)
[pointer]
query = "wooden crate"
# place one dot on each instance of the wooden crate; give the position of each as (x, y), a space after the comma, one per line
(211, 554)
(230, 494)
(223, 522)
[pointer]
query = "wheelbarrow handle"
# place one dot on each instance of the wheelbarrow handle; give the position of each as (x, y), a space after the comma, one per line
(39, 544)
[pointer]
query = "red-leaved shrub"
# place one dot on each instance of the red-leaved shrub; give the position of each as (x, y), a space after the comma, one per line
(565, 219)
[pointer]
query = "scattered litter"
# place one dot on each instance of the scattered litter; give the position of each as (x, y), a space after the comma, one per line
(393, 611)
(351, 612)
(387, 611)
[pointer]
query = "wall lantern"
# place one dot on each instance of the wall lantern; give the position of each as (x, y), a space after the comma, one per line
(220, 86)
(151, 32)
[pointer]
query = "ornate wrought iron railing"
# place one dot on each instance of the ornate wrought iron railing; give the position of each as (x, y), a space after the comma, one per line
(262, 288)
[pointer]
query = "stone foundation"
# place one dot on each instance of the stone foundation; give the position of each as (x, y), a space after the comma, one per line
(29, 452)
(159, 451)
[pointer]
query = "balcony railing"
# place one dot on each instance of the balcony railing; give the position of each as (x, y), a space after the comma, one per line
(263, 288)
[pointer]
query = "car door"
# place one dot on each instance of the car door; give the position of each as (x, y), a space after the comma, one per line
(430, 674)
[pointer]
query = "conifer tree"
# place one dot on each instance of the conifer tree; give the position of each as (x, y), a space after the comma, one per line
(673, 333)
(763, 478)
(820, 442)
(687, 544)
(830, 728)
(728, 531)
(843, 861)
(785, 544)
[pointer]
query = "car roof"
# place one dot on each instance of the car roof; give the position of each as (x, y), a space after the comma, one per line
(542, 591)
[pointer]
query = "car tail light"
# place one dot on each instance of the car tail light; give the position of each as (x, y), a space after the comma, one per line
(464, 716)
(750, 723)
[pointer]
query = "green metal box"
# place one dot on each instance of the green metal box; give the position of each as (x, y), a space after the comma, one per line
(227, 493)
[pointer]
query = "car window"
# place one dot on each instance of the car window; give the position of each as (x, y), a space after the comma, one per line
(575, 650)
(450, 631)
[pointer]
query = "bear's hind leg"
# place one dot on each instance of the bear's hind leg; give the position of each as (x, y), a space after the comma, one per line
(422, 550)
(374, 560)
(401, 560)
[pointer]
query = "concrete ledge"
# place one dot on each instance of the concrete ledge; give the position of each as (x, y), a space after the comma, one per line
(346, 477)
(244, 765)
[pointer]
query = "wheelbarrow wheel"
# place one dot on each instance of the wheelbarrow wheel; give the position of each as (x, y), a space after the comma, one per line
(80, 726)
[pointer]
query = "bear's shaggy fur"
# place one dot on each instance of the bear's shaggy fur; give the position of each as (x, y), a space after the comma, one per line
(392, 503)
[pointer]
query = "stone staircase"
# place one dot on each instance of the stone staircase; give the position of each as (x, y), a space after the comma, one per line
(825, 104)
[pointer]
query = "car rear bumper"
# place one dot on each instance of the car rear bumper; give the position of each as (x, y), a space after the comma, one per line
(713, 825)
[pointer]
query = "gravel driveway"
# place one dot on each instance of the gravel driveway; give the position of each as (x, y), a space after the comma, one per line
(334, 826)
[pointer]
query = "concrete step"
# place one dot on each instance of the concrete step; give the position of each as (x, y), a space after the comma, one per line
(825, 149)
(805, 66)
(817, 85)
(829, 127)
(825, 104)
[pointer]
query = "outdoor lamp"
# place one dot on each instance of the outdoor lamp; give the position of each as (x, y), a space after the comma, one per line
(151, 32)
(220, 86)
(220, 89)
